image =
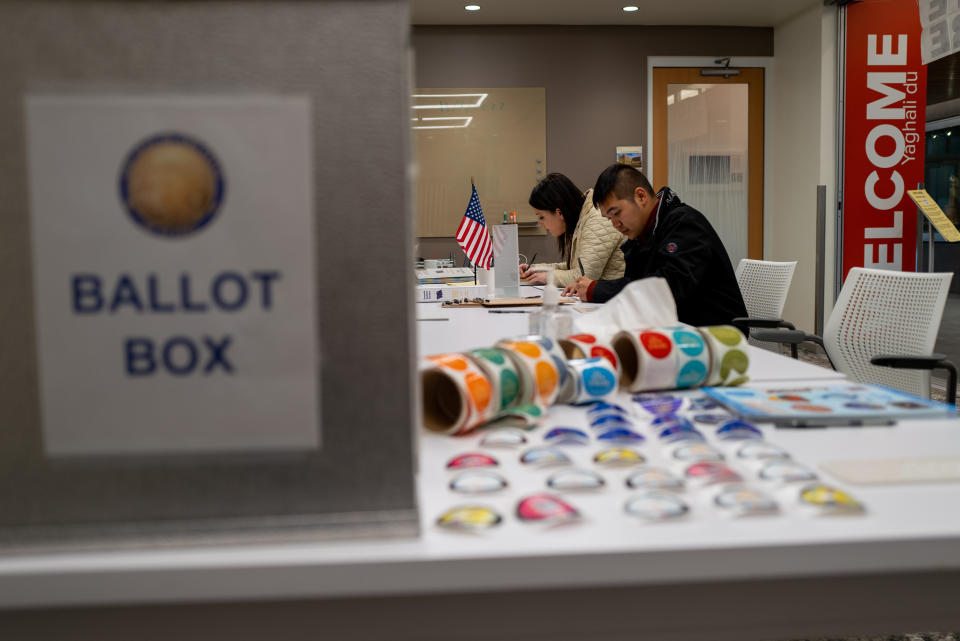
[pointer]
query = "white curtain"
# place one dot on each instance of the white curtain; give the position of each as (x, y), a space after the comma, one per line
(707, 156)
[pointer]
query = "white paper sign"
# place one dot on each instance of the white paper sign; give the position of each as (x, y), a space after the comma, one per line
(506, 259)
(173, 273)
(940, 23)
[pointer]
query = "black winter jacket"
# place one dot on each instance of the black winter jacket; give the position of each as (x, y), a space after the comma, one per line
(684, 249)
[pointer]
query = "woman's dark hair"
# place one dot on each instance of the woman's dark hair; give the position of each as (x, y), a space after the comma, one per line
(554, 192)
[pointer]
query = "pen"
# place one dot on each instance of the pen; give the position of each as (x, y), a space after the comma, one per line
(508, 311)
(533, 260)
(580, 262)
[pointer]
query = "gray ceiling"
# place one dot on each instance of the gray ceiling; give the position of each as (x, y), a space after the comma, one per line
(746, 13)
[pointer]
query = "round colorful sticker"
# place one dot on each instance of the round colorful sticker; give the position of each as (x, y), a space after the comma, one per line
(658, 405)
(654, 478)
(656, 344)
(785, 471)
(472, 459)
(744, 501)
(710, 472)
(618, 457)
(571, 480)
(738, 430)
(760, 450)
(829, 498)
(656, 506)
(546, 507)
(566, 436)
(696, 452)
(504, 438)
(603, 407)
(544, 457)
(477, 482)
(680, 433)
(610, 420)
(620, 435)
(469, 517)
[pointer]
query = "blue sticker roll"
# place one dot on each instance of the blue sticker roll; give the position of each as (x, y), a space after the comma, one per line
(596, 379)
(693, 359)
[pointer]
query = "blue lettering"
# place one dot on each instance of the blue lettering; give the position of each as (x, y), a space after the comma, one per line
(217, 354)
(241, 294)
(154, 291)
(266, 301)
(188, 305)
(139, 356)
(168, 353)
(86, 294)
(125, 294)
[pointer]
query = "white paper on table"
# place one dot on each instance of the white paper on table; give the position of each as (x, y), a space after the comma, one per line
(643, 303)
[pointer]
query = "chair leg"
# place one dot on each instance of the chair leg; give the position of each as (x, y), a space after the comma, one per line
(951, 381)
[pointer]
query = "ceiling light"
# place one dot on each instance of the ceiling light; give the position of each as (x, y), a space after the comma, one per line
(472, 7)
(949, 132)
(464, 122)
(630, 8)
(479, 96)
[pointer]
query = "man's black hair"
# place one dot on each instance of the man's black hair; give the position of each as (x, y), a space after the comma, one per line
(554, 192)
(621, 181)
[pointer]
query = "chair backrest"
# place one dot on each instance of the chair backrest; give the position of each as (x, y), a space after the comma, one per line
(886, 312)
(764, 285)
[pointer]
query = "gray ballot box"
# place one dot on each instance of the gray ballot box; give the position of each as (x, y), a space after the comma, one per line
(205, 238)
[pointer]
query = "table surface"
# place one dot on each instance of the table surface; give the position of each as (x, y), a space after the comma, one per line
(906, 528)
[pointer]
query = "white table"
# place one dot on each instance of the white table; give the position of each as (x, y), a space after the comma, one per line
(894, 569)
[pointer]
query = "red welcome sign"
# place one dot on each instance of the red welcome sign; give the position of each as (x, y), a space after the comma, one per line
(884, 116)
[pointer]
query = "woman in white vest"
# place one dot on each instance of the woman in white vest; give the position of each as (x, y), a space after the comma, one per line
(583, 235)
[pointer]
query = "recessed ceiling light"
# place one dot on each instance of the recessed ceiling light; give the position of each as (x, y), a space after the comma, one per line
(472, 7)
(629, 8)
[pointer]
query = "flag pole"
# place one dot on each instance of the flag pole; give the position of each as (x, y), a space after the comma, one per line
(474, 185)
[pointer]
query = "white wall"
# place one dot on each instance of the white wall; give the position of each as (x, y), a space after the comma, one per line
(803, 142)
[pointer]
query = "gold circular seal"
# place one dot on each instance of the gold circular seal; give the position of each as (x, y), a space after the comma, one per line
(172, 185)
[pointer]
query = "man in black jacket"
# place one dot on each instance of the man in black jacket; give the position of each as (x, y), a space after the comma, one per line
(669, 239)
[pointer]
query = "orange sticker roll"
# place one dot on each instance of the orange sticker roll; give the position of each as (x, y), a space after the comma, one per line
(539, 370)
(456, 394)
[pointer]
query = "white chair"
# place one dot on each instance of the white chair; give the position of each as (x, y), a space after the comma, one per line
(884, 321)
(764, 285)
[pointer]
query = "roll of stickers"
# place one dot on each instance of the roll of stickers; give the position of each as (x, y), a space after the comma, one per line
(538, 369)
(729, 357)
(501, 371)
(552, 348)
(648, 359)
(594, 379)
(589, 346)
(457, 397)
(693, 357)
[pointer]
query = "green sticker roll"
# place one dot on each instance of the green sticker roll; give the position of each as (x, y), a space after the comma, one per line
(729, 355)
(502, 373)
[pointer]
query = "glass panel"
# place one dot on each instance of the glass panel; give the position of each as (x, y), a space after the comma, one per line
(942, 182)
(707, 156)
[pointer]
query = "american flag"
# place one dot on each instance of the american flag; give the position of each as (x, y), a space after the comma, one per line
(472, 234)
